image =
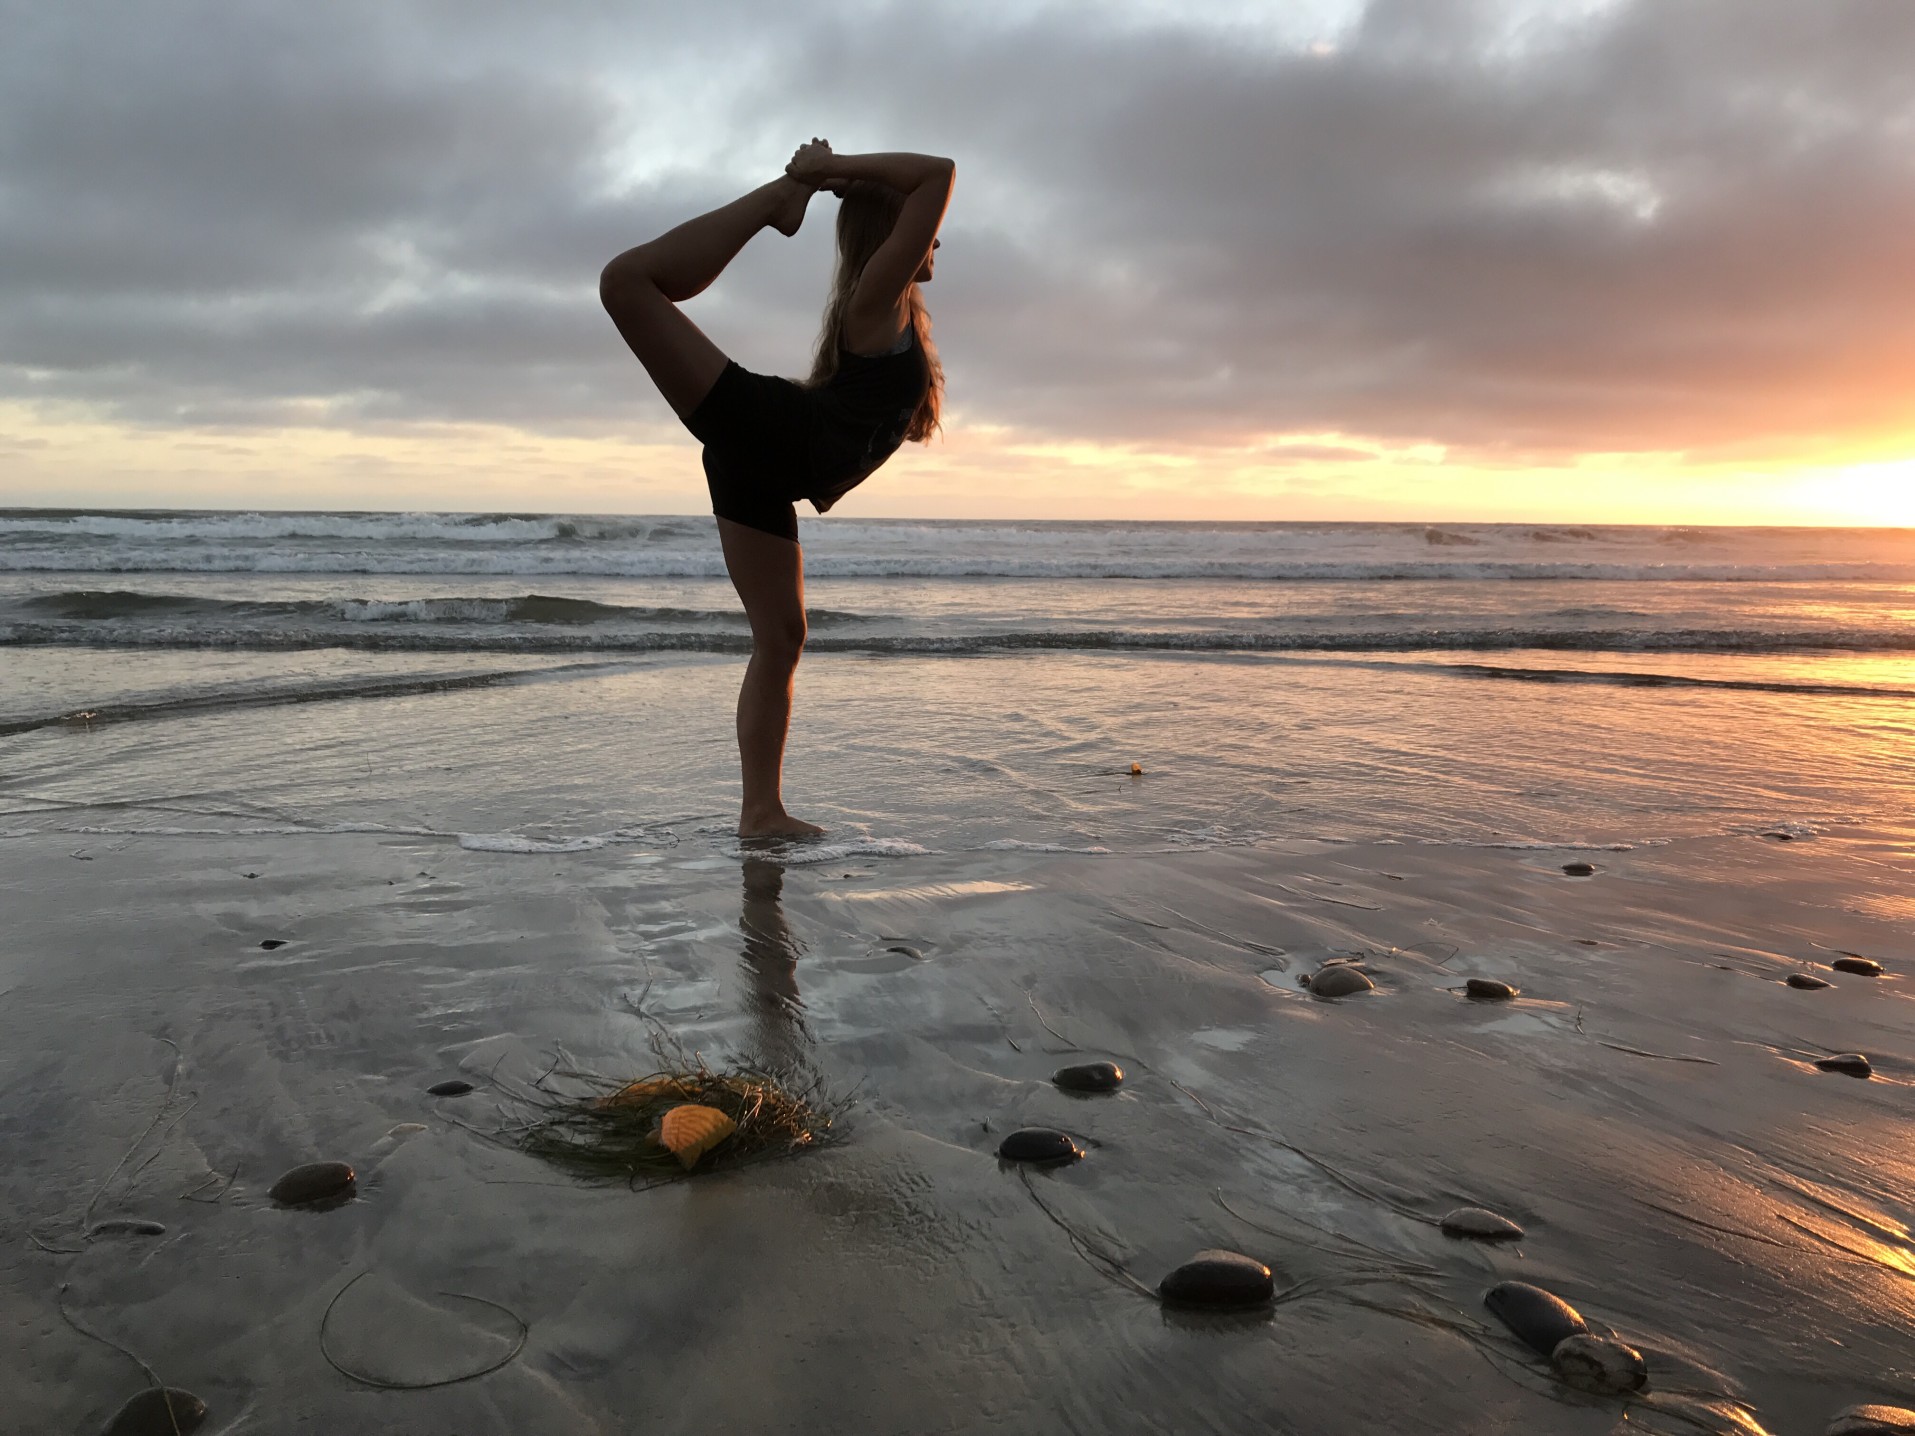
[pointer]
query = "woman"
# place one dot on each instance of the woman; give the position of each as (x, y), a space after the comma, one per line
(770, 442)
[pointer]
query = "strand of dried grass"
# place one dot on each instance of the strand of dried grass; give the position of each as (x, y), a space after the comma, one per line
(1099, 1261)
(380, 1385)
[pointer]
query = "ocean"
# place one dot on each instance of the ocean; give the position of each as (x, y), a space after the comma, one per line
(1453, 682)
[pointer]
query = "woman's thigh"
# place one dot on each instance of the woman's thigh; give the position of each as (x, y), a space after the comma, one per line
(769, 574)
(683, 363)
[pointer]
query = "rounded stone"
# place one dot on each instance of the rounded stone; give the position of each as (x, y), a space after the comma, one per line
(1860, 966)
(1807, 981)
(1852, 1063)
(1488, 989)
(273, 943)
(1480, 1223)
(126, 1227)
(1580, 869)
(158, 1411)
(1089, 1077)
(1039, 1144)
(1873, 1421)
(314, 1182)
(1219, 1279)
(1599, 1364)
(451, 1087)
(1339, 979)
(1539, 1318)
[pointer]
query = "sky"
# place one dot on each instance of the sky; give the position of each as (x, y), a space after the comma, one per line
(1593, 260)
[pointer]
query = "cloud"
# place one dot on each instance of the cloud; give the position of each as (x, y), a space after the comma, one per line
(1505, 229)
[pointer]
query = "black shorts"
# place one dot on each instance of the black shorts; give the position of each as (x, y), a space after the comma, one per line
(757, 432)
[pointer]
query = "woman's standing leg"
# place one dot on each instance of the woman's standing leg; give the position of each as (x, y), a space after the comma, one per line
(640, 290)
(769, 574)
(642, 287)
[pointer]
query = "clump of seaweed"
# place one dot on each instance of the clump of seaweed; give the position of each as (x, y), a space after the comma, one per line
(606, 1130)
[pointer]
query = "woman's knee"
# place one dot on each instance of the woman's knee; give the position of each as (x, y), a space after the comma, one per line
(781, 642)
(624, 280)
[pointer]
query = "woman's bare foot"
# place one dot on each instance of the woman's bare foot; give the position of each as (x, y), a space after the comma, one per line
(790, 212)
(779, 824)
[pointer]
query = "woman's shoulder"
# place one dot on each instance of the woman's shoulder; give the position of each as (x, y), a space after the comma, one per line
(899, 345)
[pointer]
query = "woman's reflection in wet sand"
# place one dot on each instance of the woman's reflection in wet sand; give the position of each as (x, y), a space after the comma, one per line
(769, 960)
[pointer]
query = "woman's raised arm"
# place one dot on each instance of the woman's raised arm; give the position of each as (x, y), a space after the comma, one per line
(924, 180)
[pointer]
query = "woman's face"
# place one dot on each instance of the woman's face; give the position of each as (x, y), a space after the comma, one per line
(923, 276)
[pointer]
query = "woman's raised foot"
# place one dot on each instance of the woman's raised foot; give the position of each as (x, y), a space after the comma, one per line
(791, 201)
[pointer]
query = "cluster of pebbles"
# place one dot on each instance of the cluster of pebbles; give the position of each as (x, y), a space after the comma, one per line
(1213, 1279)
(1551, 1327)
(1850, 1064)
(1586, 1360)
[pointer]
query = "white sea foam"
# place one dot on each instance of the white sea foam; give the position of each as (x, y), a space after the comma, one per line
(518, 843)
(700, 563)
(809, 853)
(1017, 845)
(1198, 839)
(684, 546)
(265, 830)
(1539, 847)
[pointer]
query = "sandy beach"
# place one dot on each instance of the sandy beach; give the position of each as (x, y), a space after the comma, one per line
(1647, 1109)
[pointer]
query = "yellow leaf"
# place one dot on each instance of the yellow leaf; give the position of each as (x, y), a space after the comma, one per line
(691, 1131)
(634, 1093)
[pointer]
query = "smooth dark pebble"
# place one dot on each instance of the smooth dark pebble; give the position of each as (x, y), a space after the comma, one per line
(126, 1227)
(1481, 1223)
(1090, 1077)
(1540, 1318)
(1339, 980)
(1488, 989)
(1873, 1421)
(1853, 1063)
(1038, 1144)
(314, 1182)
(1599, 1364)
(158, 1411)
(1860, 966)
(272, 942)
(249, 875)
(451, 1087)
(1219, 1279)
(1807, 981)
(1580, 870)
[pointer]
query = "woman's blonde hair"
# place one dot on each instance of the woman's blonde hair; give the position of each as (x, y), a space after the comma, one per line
(865, 218)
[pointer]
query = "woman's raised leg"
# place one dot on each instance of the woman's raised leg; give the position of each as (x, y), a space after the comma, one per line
(642, 287)
(769, 574)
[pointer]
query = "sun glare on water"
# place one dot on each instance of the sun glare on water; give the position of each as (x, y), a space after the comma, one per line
(1869, 493)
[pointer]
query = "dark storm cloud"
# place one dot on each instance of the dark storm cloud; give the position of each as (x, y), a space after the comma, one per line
(1672, 223)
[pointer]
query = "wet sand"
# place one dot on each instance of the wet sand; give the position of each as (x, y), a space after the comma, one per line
(1647, 1109)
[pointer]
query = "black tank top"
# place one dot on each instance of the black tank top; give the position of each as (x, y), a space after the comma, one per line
(863, 412)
